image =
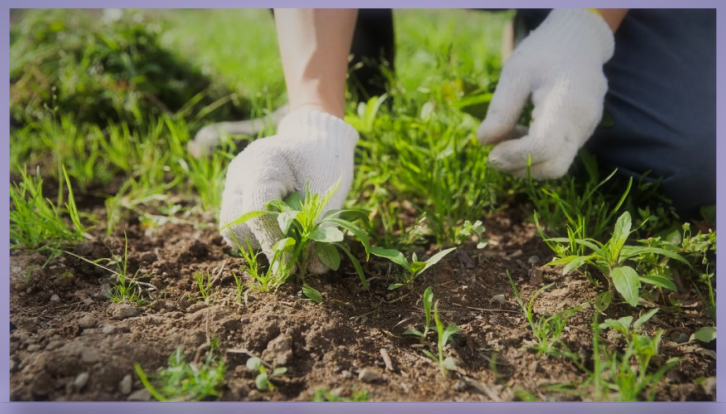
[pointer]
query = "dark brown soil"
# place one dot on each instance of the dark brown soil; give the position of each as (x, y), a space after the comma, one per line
(328, 345)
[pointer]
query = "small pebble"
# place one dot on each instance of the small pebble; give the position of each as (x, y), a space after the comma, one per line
(140, 395)
(681, 338)
(80, 381)
(87, 322)
(346, 374)
(15, 269)
(368, 375)
(33, 347)
(54, 298)
(124, 387)
(497, 298)
(123, 311)
(533, 259)
(108, 329)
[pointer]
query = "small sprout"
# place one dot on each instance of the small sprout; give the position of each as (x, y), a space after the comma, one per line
(414, 268)
(428, 298)
(263, 381)
(476, 229)
(312, 294)
(444, 334)
(204, 287)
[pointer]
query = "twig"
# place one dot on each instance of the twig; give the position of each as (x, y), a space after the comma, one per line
(386, 359)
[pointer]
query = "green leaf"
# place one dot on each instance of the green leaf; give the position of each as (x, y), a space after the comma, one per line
(563, 260)
(261, 382)
(660, 281)
(285, 220)
(417, 267)
(705, 334)
(253, 364)
(356, 265)
(312, 294)
(394, 286)
(415, 332)
(246, 217)
(284, 244)
(644, 318)
(435, 258)
(622, 324)
(428, 298)
(575, 264)
(361, 235)
(430, 355)
(450, 330)
(279, 371)
(620, 235)
(602, 301)
(391, 254)
(328, 254)
(294, 200)
(327, 235)
(630, 251)
(627, 282)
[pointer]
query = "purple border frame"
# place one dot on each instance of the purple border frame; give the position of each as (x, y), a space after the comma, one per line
(290, 408)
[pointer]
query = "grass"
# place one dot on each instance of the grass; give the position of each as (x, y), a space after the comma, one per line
(420, 173)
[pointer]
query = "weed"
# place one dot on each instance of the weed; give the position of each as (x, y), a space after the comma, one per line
(204, 287)
(413, 268)
(312, 294)
(444, 335)
(263, 381)
(428, 298)
(469, 230)
(547, 331)
(183, 381)
(309, 232)
(323, 394)
(610, 259)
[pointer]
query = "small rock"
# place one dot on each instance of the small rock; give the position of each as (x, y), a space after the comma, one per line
(87, 322)
(279, 351)
(460, 386)
(534, 259)
(123, 311)
(148, 257)
(196, 307)
(54, 298)
(681, 338)
(124, 387)
(90, 356)
(15, 269)
(106, 291)
(108, 329)
(346, 374)
(33, 347)
(80, 381)
(140, 395)
(368, 375)
(497, 298)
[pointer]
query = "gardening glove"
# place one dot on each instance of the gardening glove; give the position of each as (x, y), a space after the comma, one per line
(560, 65)
(310, 147)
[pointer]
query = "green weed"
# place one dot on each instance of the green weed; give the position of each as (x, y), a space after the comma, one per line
(428, 298)
(323, 394)
(263, 381)
(413, 268)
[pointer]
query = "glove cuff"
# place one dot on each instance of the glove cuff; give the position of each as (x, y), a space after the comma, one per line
(573, 26)
(317, 125)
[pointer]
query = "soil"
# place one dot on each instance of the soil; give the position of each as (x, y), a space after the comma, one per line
(64, 329)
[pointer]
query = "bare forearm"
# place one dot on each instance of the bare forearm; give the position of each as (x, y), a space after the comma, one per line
(613, 17)
(314, 45)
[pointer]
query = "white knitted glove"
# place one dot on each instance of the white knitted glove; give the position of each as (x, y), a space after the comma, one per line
(560, 66)
(310, 146)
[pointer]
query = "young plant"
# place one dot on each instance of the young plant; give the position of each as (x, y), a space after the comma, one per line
(183, 381)
(428, 298)
(469, 229)
(547, 331)
(610, 258)
(204, 288)
(309, 233)
(414, 268)
(323, 395)
(444, 335)
(264, 380)
(126, 288)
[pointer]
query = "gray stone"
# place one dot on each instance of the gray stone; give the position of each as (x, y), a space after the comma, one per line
(346, 374)
(54, 298)
(108, 329)
(533, 259)
(681, 338)
(33, 347)
(140, 395)
(368, 375)
(15, 269)
(80, 381)
(90, 356)
(87, 322)
(124, 387)
(123, 311)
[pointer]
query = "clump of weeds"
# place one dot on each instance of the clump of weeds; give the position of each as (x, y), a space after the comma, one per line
(414, 268)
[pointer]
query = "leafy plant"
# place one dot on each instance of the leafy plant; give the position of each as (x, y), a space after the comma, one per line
(476, 229)
(625, 325)
(610, 258)
(428, 297)
(323, 394)
(413, 268)
(309, 233)
(264, 379)
(183, 381)
(444, 336)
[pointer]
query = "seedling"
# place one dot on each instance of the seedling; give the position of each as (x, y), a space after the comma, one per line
(476, 229)
(323, 395)
(428, 298)
(547, 331)
(183, 381)
(311, 293)
(264, 380)
(310, 233)
(204, 287)
(625, 325)
(610, 259)
(414, 268)
(444, 335)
